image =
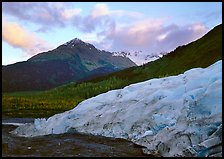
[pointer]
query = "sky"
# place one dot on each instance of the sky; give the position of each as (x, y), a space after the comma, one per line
(29, 28)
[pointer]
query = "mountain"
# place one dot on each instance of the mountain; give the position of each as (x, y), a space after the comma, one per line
(172, 116)
(200, 53)
(72, 61)
(139, 57)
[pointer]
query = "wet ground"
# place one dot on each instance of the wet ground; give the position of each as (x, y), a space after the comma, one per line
(67, 145)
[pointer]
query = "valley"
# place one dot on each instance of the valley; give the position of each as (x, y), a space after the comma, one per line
(201, 53)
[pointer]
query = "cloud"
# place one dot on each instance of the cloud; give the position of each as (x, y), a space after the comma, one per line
(140, 33)
(49, 15)
(148, 35)
(19, 37)
(151, 36)
(181, 35)
(102, 18)
(46, 14)
(102, 9)
(70, 13)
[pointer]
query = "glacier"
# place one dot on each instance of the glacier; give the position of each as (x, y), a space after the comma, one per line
(171, 116)
(139, 57)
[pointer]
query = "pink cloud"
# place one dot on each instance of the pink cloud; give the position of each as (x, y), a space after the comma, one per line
(151, 36)
(19, 37)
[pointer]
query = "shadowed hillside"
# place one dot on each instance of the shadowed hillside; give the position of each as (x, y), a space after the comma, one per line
(72, 61)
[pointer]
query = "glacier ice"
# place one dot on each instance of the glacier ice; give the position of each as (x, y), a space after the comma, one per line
(172, 116)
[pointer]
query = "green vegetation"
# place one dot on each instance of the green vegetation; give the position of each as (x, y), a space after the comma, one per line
(60, 99)
(200, 53)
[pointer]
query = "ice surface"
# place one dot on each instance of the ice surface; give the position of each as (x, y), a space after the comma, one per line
(172, 116)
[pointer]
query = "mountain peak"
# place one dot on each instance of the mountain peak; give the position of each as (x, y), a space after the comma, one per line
(74, 42)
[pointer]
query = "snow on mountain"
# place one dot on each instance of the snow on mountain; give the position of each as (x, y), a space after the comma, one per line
(139, 57)
(172, 116)
(74, 42)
